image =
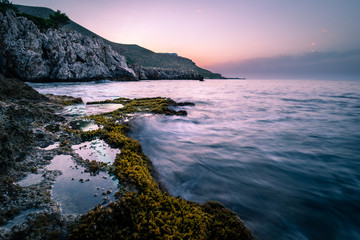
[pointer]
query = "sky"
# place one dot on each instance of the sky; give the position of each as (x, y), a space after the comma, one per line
(232, 37)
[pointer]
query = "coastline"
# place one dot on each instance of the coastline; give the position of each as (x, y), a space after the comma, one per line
(140, 191)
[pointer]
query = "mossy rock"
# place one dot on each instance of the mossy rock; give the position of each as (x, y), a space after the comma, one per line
(157, 105)
(149, 212)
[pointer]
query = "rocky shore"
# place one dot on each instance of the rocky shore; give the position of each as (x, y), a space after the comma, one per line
(30, 122)
(148, 73)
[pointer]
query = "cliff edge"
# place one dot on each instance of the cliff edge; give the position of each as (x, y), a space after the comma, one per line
(56, 55)
(134, 54)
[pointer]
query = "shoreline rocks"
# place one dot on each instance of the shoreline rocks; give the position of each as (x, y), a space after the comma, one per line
(149, 73)
(32, 121)
(28, 120)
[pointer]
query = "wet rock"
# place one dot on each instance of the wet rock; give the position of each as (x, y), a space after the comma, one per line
(64, 100)
(20, 108)
(48, 157)
(181, 113)
(105, 200)
(24, 143)
(46, 224)
(53, 128)
(185, 104)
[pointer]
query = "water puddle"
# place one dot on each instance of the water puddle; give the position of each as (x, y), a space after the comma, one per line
(102, 108)
(20, 219)
(30, 179)
(96, 150)
(78, 191)
(87, 110)
(52, 146)
(83, 124)
(90, 126)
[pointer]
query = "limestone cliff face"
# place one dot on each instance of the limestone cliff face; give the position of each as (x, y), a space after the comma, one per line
(57, 55)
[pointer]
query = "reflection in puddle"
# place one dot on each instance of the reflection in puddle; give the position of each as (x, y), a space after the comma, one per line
(20, 219)
(90, 126)
(78, 191)
(102, 108)
(30, 179)
(87, 110)
(51, 147)
(83, 124)
(96, 150)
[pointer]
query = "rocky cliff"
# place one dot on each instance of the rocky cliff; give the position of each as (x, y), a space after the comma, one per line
(57, 55)
(151, 73)
(134, 54)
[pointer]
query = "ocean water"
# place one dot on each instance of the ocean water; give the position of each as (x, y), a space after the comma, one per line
(283, 154)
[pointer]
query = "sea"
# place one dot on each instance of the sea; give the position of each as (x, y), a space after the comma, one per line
(283, 154)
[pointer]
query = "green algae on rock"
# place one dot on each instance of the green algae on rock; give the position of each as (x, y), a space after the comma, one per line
(145, 210)
(64, 100)
(157, 105)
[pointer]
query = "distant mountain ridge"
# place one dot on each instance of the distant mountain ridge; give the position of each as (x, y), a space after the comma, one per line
(134, 54)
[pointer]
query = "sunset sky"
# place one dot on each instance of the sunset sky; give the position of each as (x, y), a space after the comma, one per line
(220, 35)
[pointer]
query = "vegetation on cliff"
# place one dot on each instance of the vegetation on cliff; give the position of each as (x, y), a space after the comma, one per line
(54, 20)
(6, 5)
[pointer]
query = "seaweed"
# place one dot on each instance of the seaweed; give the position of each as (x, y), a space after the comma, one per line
(64, 100)
(157, 105)
(147, 211)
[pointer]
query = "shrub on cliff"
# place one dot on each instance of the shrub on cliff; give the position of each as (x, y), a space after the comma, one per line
(6, 5)
(59, 19)
(55, 20)
(42, 23)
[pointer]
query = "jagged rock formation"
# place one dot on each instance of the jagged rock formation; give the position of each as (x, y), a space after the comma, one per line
(57, 55)
(134, 54)
(144, 73)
